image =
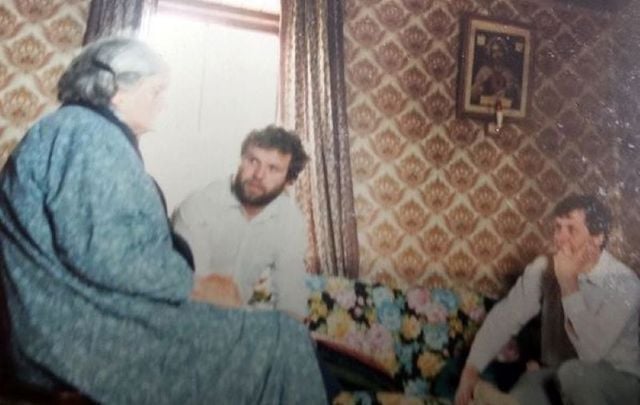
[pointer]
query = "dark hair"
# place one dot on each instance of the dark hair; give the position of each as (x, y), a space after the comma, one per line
(286, 142)
(597, 215)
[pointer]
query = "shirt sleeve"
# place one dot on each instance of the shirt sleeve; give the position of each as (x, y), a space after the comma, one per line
(290, 266)
(595, 326)
(109, 225)
(185, 221)
(509, 315)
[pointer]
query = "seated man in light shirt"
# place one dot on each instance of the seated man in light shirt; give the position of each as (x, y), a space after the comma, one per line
(248, 237)
(589, 305)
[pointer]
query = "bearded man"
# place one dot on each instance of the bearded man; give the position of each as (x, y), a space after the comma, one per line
(247, 235)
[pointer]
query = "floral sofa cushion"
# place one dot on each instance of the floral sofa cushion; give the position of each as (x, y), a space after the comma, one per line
(420, 336)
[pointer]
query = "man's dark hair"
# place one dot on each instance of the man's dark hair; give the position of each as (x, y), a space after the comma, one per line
(597, 215)
(286, 142)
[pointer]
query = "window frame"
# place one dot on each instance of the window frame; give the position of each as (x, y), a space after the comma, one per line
(224, 14)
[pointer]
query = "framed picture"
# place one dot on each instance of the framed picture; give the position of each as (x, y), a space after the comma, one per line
(495, 68)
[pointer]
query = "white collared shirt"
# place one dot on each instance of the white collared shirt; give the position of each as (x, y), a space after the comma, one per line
(223, 241)
(601, 317)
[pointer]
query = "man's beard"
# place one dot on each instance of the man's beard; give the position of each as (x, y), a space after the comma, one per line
(257, 201)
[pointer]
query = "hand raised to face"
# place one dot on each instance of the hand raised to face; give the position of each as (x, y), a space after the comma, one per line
(575, 249)
(570, 261)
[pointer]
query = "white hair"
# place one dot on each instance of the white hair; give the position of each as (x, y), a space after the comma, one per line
(96, 74)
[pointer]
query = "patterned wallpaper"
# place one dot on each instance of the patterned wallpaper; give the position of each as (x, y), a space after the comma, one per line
(439, 200)
(38, 38)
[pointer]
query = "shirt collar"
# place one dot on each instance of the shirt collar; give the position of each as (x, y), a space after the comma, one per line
(600, 271)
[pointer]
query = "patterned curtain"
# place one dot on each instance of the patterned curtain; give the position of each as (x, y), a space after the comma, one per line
(116, 17)
(312, 101)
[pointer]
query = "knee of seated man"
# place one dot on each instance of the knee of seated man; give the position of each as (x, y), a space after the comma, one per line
(574, 374)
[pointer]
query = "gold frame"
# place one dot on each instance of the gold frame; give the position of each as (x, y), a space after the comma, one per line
(495, 55)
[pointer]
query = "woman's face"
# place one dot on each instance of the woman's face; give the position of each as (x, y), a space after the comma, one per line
(139, 105)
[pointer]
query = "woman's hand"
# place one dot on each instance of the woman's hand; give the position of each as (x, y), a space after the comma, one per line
(216, 289)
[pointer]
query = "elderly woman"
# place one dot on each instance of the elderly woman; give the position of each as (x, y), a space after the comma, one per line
(98, 292)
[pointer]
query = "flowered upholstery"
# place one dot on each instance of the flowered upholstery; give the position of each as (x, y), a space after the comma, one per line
(420, 336)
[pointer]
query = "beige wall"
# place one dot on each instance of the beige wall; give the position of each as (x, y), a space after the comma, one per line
(438, 200)
(38, 39)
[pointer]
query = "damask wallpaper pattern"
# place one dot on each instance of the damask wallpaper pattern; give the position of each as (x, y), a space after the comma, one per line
(38, 39)
(438, 199)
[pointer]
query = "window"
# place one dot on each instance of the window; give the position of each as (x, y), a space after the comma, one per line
(224, 69)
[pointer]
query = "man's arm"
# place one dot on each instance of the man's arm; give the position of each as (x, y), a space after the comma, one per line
(185, 221)
(593, 330)
(504, 320)
(188, 222)
(508, 316)
(570, 263)
(290, 272)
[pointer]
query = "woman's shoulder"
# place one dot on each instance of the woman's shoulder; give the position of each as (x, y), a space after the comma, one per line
(75, 126)
(71, 133)
(56, 130)
(75, 116)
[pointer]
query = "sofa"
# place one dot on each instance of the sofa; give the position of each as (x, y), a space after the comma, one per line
(418, 338)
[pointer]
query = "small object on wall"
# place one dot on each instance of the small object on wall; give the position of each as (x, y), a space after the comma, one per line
(494, 70)
(499, 114)
(495, 127)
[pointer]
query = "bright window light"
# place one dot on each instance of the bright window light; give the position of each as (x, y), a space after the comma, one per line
(223, 84)
(269, 6)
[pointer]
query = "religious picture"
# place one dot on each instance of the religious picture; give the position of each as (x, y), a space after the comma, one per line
(495, 69)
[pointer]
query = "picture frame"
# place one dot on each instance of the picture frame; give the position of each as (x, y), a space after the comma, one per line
(495, 68)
